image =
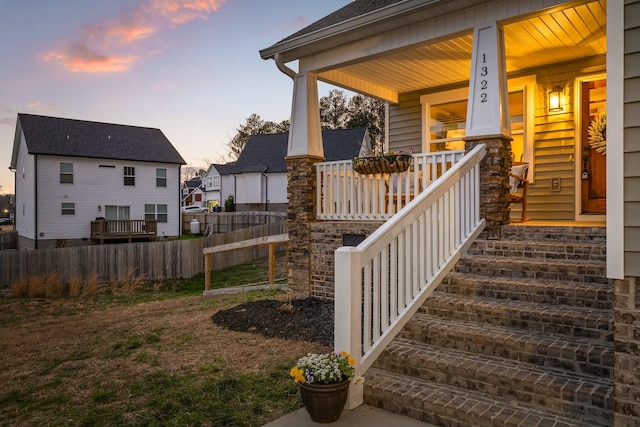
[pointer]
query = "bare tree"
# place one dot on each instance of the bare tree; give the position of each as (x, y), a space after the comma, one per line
(254, 125)
(333, 110)
(335, 113)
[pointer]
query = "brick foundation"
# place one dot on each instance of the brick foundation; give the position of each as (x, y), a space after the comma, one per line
(326, 237)
(627, 352)
(494, 183)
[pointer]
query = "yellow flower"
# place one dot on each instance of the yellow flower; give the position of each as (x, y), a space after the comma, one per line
(297, 375)
(350, 361)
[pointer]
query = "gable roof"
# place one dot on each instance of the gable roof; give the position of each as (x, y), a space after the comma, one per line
(267, 152)
(78, 138)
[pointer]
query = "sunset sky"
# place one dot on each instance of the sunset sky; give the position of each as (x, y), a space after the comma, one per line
(188, 67)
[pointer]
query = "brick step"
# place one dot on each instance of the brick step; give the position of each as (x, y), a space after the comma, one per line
(542, 233)
(588, 251)
(450, 406)
(537, 348)
(564, 270)
(552, 292)
(586, 396)
(571, 321)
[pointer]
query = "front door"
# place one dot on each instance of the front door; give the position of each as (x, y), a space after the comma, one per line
(593, 170)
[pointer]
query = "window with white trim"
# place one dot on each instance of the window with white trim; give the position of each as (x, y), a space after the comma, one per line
(129, 175)
(66, 173)
(161, 177)
(445, 116)
(68, 209)
(157, 212)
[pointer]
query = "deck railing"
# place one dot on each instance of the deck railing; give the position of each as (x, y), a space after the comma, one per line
(381, 283)
(344, 194)
(124, 229)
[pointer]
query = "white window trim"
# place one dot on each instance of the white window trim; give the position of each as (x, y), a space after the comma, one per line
(526, 84)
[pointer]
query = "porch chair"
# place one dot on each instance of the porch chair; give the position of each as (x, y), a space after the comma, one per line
(518, 186)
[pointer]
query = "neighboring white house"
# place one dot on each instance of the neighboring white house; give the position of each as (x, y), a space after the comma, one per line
(71, 172)
(215, 181)
(259, 176)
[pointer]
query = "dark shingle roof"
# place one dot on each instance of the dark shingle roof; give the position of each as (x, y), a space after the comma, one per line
(352, 10)
(267, 152)
(78, 138)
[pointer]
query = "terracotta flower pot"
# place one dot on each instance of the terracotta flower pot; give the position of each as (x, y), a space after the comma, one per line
(324, 402)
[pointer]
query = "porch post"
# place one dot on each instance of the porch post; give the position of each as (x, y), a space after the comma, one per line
(304, 150)
(488, 123)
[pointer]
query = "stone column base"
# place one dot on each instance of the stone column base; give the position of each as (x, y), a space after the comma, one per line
(301, 212)
(494, 183)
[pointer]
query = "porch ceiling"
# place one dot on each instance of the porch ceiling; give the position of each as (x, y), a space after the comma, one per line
(559, 35)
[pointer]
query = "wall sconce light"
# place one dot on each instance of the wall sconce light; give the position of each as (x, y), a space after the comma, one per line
(555, 99)
(99, 208)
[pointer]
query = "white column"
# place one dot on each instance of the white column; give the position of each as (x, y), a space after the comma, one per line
(487, 111)
(305, 136)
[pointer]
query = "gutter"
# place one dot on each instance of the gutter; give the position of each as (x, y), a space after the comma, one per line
(282, 67)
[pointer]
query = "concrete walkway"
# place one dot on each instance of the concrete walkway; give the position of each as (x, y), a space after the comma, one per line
(362, 416)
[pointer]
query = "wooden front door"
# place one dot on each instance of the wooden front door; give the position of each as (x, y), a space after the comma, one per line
(593, 170)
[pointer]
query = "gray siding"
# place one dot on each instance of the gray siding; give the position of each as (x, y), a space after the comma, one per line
(405, 124)
(632, 139)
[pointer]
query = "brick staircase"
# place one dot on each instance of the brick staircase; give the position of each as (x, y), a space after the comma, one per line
(520, 334)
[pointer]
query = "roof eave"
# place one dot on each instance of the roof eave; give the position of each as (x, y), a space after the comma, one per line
(349, 30)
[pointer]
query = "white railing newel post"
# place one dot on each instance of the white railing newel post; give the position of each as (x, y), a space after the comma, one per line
(348, 314)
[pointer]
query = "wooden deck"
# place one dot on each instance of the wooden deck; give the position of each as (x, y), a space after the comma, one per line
(124, 229)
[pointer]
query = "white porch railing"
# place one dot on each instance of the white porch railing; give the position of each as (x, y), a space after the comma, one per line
(381, 283)
(344, 194)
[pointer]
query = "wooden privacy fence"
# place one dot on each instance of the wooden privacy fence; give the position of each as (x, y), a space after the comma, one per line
(8, 240)
(150, 260)
(225, 222)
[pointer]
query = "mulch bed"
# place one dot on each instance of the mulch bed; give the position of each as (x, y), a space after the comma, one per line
(308, 319)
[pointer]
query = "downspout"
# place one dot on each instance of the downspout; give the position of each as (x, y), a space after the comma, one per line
(35, 198)
(235, 200)
(282, 67)
(266, 190)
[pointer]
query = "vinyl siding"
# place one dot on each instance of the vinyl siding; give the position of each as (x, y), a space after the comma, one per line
(632, 139)
(405, 124)
(94, 187)
(25, 198)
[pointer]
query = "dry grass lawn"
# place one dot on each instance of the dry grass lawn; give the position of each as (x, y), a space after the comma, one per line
(97, 361)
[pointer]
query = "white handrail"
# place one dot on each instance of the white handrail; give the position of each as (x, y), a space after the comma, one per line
(344, 194)
(381, 283)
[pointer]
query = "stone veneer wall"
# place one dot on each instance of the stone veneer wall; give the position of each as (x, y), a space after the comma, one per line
(301, 213)
(326, 237)
(494, 183)
(627, 352)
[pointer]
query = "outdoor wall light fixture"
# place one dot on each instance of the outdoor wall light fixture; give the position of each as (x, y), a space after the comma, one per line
(555, 99)
(99, 208)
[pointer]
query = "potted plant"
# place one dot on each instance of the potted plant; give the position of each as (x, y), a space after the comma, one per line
(324, 383)
(392, 162)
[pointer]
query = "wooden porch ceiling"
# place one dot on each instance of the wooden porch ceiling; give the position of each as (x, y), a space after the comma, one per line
(561, 34)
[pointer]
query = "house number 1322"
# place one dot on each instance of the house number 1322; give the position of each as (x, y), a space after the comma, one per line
(484, 71)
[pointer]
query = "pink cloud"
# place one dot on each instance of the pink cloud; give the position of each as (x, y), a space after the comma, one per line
(179, 12)
(81, 59)
(123, 34)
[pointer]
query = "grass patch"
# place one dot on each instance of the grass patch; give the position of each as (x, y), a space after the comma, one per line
(149, 356)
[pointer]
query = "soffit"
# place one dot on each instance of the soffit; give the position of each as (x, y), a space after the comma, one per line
(559, 35)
